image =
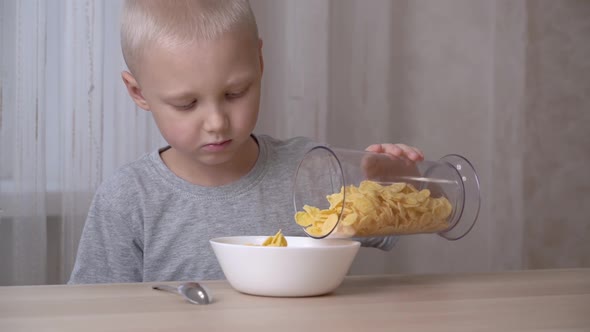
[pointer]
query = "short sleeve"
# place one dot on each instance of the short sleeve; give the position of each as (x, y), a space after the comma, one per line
(109, 250)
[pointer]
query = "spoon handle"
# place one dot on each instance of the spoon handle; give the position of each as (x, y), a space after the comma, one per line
(166, 288)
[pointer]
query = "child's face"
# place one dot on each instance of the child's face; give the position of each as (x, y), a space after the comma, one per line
(204, 96)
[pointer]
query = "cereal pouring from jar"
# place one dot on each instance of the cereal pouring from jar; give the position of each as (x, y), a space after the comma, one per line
(375, 209)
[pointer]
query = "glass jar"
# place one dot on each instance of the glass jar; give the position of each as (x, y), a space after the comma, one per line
(349, 193)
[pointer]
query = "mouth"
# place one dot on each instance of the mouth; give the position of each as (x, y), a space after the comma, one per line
(219, 143)
(217, 146)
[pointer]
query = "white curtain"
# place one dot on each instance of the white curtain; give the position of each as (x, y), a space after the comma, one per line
(66, 123)
(448, 76)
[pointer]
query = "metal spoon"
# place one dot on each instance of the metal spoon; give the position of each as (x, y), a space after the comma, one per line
(191, 291)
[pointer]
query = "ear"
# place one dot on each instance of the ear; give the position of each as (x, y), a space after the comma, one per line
(260, 56)
(134, 90)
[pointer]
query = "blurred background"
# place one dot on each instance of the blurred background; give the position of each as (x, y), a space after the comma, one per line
(506, 83)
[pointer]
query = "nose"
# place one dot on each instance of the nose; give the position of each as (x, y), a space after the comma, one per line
(216, 119)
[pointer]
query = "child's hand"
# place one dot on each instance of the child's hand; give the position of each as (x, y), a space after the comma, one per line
(398, 151)
(392, 162)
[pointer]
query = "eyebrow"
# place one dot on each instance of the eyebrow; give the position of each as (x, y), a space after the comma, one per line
(178, 96)
(242, 78)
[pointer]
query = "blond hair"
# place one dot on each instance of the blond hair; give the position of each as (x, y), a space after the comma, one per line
(170, 23)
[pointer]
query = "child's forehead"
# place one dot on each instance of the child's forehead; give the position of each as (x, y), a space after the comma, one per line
(228, 60)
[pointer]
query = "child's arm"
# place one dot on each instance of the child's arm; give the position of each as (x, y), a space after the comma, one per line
(385, 243)
(110, 250)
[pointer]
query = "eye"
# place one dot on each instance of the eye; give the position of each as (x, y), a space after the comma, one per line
(236, 95)
(187, 106)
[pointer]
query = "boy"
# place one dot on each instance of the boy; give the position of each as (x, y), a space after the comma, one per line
(197, 67)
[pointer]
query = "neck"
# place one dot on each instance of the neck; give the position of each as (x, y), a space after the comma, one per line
(213, 175)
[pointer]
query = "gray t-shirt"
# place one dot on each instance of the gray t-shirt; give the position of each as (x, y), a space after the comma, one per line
(147, 224)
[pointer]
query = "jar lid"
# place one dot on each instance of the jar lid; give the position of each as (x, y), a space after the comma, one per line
(465, 217)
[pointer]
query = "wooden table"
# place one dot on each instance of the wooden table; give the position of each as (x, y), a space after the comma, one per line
(553, 300)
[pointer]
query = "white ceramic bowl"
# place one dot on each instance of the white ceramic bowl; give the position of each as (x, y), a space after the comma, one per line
(306, 267)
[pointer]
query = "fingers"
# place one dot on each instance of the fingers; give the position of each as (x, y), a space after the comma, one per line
(410, 152)
(377, 148)
(402, 151)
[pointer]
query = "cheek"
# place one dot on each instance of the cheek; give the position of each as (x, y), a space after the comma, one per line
(245, 117)
(247, 114)
(175, 131)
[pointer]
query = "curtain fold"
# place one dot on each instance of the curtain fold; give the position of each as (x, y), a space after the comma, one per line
(67, 123)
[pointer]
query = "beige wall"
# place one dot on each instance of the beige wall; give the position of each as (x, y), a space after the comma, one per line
(485, 79)
(557, 135)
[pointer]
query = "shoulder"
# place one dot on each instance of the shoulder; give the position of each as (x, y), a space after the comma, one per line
(120, 201)
(128, 181)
